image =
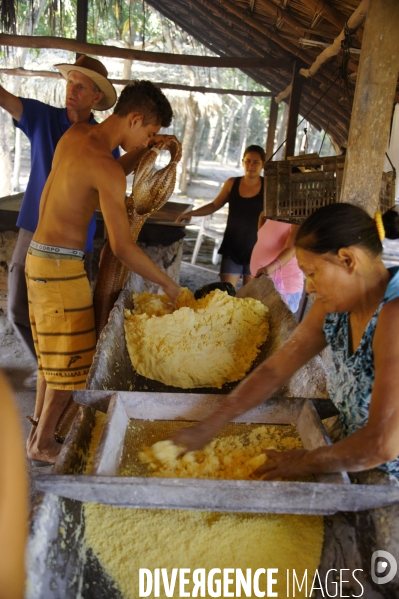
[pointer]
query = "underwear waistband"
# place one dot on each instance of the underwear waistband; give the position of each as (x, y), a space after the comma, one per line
(53, 251)
(42, 254)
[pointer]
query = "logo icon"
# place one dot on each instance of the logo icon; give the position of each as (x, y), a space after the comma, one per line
(383, 567)
(73, 360)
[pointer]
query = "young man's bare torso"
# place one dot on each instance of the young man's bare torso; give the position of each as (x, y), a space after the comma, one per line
(84, 177)
(83, 167)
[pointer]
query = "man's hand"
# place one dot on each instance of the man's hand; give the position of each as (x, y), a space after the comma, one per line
(290, 464)
(185, 216)
(192, 437)
(130, 161)
(171, 289)
(167, 140)
(262, 271)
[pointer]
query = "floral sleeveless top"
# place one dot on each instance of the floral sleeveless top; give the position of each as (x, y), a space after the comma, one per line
(350, 381)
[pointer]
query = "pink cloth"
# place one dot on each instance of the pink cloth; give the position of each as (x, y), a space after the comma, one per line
(271, 240)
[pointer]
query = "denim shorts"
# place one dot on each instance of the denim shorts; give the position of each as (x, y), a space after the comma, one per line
(229, 267)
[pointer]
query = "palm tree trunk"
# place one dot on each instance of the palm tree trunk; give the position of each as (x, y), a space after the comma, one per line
(199, 146)
(229, 134)
(245, 116)
(188, 140)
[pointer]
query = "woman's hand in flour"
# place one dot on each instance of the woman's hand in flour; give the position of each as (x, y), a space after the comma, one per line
(284, 464)
(192, 437)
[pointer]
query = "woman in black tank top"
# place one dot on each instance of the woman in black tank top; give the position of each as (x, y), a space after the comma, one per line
(245, 198)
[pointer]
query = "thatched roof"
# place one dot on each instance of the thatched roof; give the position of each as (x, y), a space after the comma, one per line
(280, 29)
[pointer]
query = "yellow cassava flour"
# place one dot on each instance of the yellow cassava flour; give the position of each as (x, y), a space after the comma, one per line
(233, 457)
(199, 343)
(125, 540)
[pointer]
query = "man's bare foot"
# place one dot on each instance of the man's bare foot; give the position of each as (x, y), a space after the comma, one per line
(31, 438)
(44, 454)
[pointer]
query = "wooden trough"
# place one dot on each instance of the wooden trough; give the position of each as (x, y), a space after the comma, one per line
(112, 368)
(59, 563)
(328, 494)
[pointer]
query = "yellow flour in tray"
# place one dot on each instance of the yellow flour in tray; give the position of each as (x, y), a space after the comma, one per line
(125, 540)
(233, 457)
(198, 343)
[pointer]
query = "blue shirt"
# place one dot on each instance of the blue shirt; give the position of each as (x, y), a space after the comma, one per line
(44, 126)
(350, 382)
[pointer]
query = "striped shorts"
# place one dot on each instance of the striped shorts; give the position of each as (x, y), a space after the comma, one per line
(62, 320)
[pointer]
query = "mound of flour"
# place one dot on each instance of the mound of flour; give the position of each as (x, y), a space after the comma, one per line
(197, 343)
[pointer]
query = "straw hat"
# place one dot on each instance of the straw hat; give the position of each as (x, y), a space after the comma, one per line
(96, 71)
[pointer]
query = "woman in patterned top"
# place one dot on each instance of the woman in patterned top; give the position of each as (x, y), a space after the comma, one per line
(356, 312)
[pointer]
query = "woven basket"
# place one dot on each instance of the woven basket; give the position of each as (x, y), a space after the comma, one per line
(296, 188)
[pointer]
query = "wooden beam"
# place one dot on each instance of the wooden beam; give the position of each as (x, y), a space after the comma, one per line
(19, 72)
(327, 12)
(271, 130)
(295, 101)
(282, 14)
(213, 90)
(372, 106)
(60, 43)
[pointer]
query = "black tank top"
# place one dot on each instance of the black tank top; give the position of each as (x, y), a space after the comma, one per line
(241, 231)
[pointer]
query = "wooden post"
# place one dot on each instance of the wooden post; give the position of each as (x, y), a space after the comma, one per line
(295, 100)
(271, 130)
(372, 106)
(81, 22)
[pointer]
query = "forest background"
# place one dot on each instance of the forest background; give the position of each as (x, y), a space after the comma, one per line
(211, 127)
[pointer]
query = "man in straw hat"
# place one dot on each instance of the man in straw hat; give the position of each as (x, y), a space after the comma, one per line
(84, 174)
(87, 89)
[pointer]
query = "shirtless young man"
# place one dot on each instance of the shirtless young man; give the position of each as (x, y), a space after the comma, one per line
(84, 173)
